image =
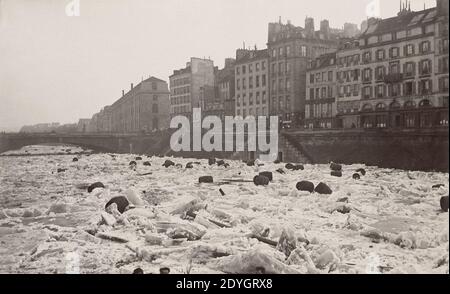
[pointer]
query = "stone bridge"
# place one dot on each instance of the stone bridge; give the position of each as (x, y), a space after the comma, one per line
(152, 144)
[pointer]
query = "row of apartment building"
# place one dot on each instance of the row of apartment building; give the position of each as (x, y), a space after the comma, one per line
(145, 107)
(392, 73)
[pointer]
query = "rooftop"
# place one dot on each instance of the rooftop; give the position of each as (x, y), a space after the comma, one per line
(403, 21)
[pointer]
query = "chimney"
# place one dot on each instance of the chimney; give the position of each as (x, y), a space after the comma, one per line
(325, 28)
(131, 86)
(309, 26)
(123, 93)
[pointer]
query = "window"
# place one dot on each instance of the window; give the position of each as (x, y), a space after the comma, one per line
(155, 108)
(257, 81)
(409, 69)
(250, 99)
(288, 84)
(408, 88)
(281, 67)
(367, 75)
(425, 103)
(394, 68)
(380, 106)
(154, 86)
(250, 68)
(317, 93)
(330, 76)
(288, 50)
(155, 123)
(401, 34)
(367, 92)
(311, 78)
(238, 84)
(443, 64)
(274, 53)
(263, 65)
(257, 98)
(280, 52)
(379, 73)
(379, 91)
(380, 54)
(324, 92)
(250, 82)
(425, 47)
(317, 77)
(409, 49)
(288, 68)
(443, 84)
(410, 120)
(274, 68)
(425, 87)
(394, 52)
(367, 107)
(244, 84)
(303, 51)
(264, 97)
(367, 56)
(443, 46)
(356, 75)
(330, 91)
(394, 90)
(238, 70)
(257, 66)
(311, 94)
(155, 97)
(244, 100)
(263, 80)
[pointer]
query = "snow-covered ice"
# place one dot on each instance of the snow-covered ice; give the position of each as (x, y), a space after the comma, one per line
(49, 223)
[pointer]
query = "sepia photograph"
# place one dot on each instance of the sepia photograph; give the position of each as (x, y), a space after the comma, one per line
(224, 137)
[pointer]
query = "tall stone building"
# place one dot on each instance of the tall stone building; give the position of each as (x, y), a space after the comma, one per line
(290, 49)
(400, 73)
(187, 85)
(144, 108)
(251, 82)
(396, 73)
(219, 100)
(320, 106)
(348, 79)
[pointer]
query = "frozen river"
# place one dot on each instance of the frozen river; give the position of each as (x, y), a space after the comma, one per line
(389, 221)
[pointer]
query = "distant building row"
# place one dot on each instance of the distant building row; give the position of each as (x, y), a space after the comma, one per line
(393, 73)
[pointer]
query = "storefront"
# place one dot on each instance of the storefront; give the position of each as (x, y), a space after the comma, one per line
(409, 116)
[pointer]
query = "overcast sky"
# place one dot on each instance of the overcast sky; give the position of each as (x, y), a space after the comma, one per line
(57, 68)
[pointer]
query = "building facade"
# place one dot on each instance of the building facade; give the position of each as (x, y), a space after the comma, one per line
(400, 76)
(348, 77)
(83, 125)
(144, 108)
(320, 105)
(251, 83)
(291, 49)
(188, 84)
